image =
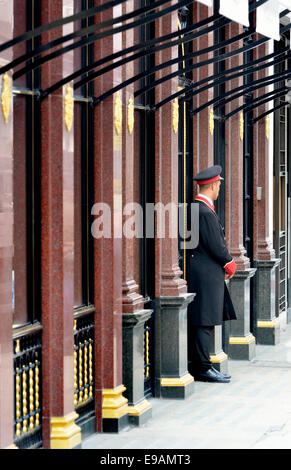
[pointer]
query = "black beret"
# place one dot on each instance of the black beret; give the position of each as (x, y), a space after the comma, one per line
(209, 175)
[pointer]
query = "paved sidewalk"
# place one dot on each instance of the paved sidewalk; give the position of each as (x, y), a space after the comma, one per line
(253, 411)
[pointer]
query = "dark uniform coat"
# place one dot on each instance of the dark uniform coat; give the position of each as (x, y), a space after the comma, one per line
(206, 275)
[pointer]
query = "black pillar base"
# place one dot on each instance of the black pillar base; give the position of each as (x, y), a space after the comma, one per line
(115, 424)
(266, 325)
(171, 352)
(139, 409)
(242, 343)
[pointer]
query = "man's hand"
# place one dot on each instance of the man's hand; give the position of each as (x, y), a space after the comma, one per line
(228, 276)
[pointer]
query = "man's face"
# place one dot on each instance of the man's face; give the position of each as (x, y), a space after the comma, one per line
(216, 189)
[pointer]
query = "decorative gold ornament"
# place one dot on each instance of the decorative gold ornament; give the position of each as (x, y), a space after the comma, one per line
(31, 397)
(130, 115)
(17, 346)
(211, 120)
(90, 367)
(117, 113)
(86, 370)
(6, 97)
(69, 108)
(24, 400)
(80, 373)
(36, 388)
(267, 124)
(17, 398)
(75, 379)
(175, 115)
(241, 125)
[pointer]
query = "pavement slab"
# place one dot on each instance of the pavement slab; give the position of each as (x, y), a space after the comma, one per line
(253, 411)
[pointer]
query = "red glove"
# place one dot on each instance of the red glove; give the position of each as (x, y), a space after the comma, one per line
(230, 268)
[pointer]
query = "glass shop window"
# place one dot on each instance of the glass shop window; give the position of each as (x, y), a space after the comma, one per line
(83, 168)
(26, 173)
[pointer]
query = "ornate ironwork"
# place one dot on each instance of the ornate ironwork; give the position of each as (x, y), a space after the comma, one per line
(147, 364)
(27, 393)
(83, 365)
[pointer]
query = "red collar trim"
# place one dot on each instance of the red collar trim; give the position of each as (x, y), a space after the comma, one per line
(202, 199)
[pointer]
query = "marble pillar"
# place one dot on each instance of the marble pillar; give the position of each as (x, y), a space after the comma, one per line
(171, 374)
(111, 405)
(241, 341)
(57, 255)
(203, 152)
(134, 314)
(266, 324)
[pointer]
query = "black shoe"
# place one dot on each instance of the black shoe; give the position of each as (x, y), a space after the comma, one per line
(210, 376)
(226, 376)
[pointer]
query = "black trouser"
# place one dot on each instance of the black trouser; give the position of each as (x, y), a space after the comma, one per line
(198, 350)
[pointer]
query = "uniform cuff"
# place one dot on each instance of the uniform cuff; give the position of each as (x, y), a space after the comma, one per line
(230, 268)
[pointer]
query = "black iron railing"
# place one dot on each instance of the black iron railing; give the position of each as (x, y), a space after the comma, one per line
(27, 390)
(84, 366)
(147, 363)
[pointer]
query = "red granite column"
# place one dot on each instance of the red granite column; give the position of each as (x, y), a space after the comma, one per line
(203, 149)
(6, 247)
(172, 377)
(263, 249)
(267, 327)
(59, 429)
(234, 158)
(132, 301)
(110, 404)
(242, 342)
(203, 138)
(134, 314)
(169, 281)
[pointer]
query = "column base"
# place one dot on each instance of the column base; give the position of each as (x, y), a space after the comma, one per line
(268, 332)
(114, 410)
(65, 434)
(172, 379)
(220, 362)
(135, 348)
(242, 347)
(115, 424)
(177, 387)
(140, 413)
